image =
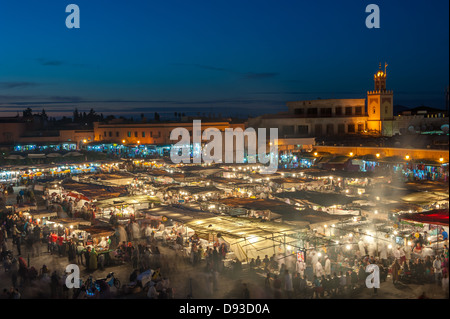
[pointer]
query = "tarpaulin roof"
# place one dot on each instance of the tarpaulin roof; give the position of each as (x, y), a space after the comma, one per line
(95, 191)
(436, 217)
(126, 200)
(318, 198)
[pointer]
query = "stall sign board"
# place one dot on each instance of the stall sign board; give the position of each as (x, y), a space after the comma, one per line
(301, 256)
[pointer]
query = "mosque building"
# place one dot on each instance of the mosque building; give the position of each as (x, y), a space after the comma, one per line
(373, 115)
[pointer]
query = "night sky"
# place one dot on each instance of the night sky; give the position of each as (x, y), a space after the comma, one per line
(225, 57)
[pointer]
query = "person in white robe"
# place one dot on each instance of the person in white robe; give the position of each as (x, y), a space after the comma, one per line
(319, 269)
(300, 267)
(327, 266)
(396, 253)
(314, 260)
(362, 248)
(383, 252)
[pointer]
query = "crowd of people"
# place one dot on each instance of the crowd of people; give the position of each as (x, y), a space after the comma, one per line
(335, 271)
(341, 272)
(70, 206)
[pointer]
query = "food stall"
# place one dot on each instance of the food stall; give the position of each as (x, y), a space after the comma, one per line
(23, 208)
(40, 216)
(125, 207)
(97, 237)
(429, 226)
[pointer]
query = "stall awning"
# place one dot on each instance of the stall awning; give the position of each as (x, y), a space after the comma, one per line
(99, 231)
(176, 214)
(78, 196)
(318, 198)
(67, 222)
(127, 200)
(42, 214)
(435, 217)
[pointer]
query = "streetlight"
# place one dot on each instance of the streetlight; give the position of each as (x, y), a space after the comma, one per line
(377, 155)
(407, 157)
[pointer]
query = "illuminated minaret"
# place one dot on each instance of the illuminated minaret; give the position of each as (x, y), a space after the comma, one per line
(380, 106)
(380, 79)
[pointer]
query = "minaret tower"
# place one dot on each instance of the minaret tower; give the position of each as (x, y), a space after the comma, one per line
(380, 106)
(380, 79)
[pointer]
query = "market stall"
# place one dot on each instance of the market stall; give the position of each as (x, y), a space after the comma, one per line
(125, 207)
(427, 229)
(246, 237)
(40, 216)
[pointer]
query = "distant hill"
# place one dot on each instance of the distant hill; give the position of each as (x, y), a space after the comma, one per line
(400, 108)
(429, 110)
(426, 108)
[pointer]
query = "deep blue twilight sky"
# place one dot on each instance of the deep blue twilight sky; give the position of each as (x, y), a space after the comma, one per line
(229, 57)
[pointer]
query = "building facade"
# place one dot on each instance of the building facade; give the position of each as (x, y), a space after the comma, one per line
(373, 116)
(151, 132)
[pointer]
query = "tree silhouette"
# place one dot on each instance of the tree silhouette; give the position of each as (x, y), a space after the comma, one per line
(76, 116)
(28, 112)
